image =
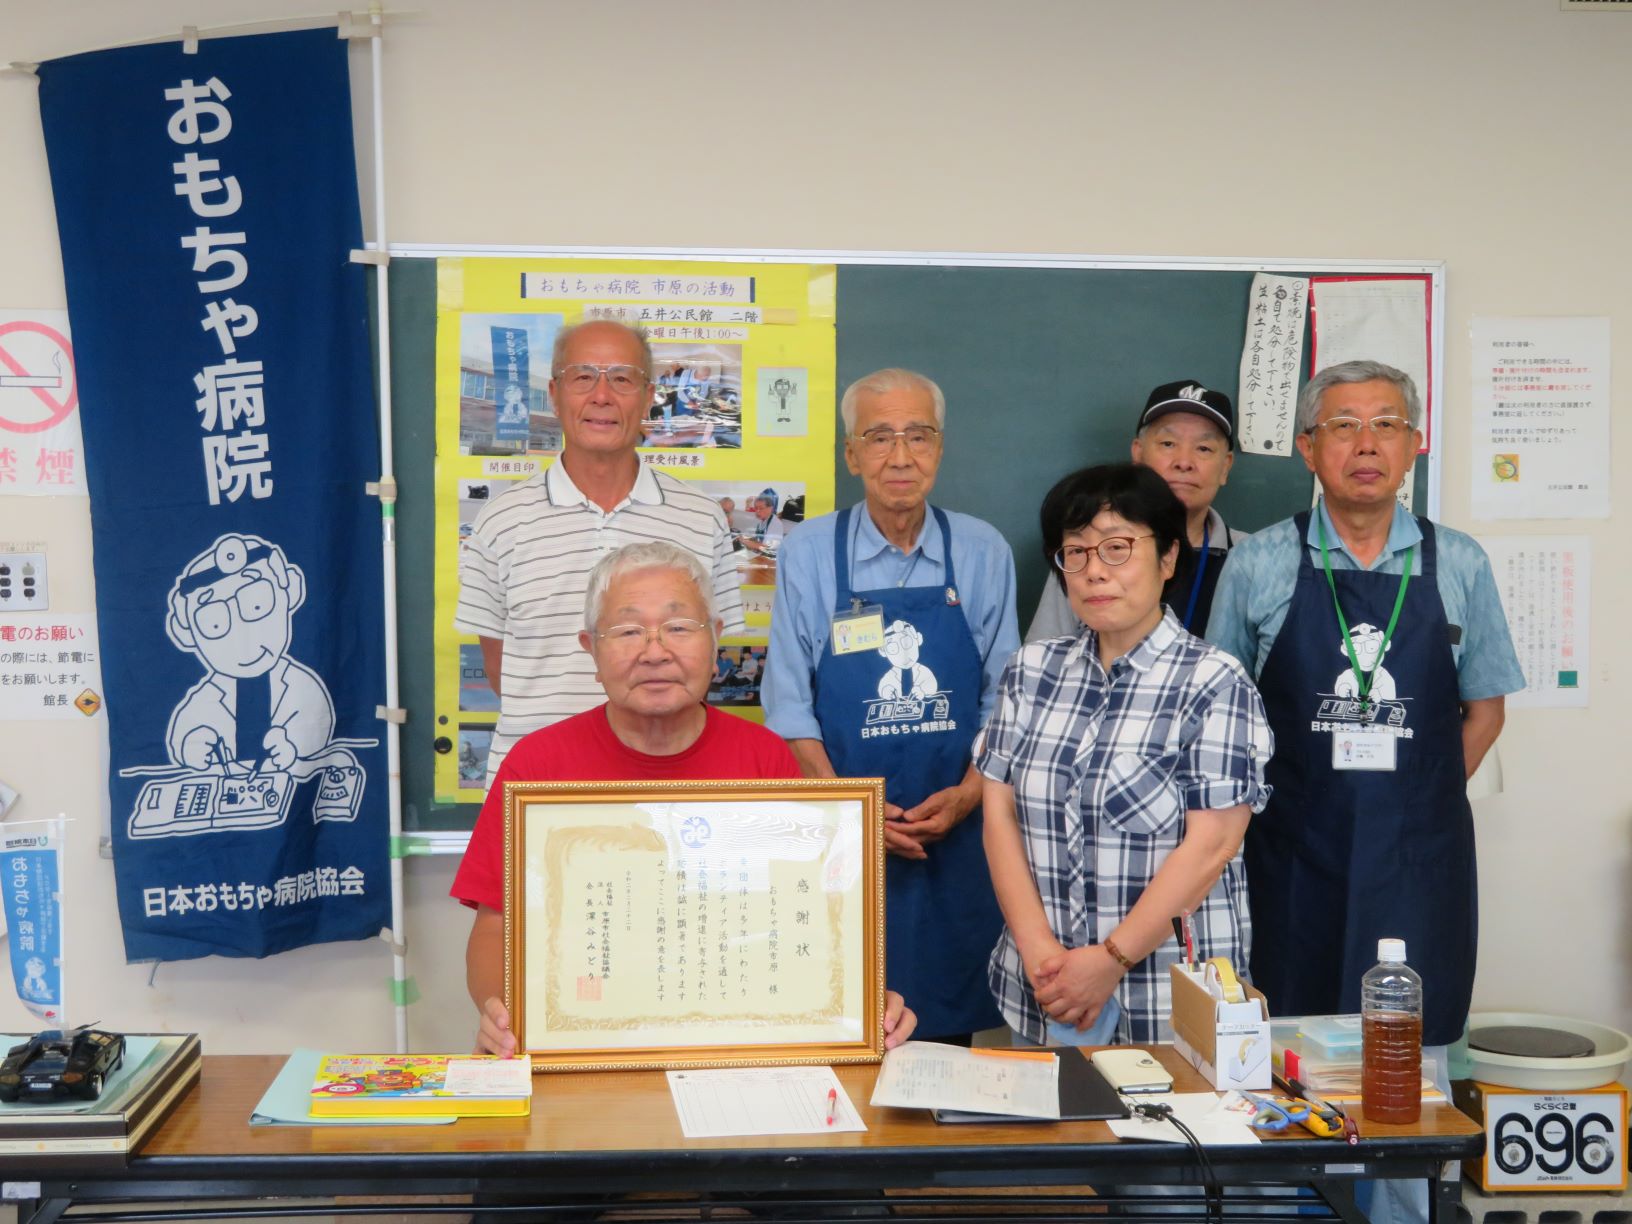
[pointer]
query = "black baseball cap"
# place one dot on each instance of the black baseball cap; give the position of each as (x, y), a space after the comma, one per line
(1190, 396)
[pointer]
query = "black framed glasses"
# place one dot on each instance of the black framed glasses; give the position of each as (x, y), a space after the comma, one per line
(1113, 550)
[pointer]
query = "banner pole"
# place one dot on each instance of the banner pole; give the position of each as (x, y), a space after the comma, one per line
(388, 540)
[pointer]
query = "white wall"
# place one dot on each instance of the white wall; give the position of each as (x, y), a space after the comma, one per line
(1488, 133)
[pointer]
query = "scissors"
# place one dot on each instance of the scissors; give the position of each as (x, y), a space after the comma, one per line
(1275, 1114)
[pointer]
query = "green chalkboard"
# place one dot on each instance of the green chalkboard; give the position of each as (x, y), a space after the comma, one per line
(1045, 370)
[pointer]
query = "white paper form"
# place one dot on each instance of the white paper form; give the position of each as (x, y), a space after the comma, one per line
(1378, 319)
(1205, 1113)
(927, 1075)
(1546, 588)
(716, 1103)
(1540, 418)
(1271, 361)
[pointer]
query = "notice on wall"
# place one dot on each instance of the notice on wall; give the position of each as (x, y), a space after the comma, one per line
(1540, 418)
(742, 407)
(1376, 318)
(1271, 359)
(49, 666)
(1546, 588)
(41, 453)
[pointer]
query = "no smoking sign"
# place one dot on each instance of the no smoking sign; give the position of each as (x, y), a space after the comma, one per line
(38, 389)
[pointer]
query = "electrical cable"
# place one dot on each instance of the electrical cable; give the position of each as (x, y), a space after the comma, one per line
(1212, 1191)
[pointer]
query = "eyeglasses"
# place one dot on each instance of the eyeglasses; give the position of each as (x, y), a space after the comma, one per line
(879, 442)
(253, 601)
(1347, 428)
(1115, 550)
(582, 377)
(675, 634)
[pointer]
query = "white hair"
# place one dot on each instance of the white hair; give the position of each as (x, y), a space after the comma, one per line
(631, 558)
(881, 381)
(1356, 372)
(565, 335)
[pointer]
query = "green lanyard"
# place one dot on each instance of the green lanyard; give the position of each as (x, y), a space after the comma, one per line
(1362, 680)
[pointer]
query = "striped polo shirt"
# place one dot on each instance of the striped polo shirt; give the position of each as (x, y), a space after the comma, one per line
(524, 572)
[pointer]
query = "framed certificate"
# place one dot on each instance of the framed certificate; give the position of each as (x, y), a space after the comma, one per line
(694, 924)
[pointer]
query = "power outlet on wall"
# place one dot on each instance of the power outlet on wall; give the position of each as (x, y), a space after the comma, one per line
(22, 582)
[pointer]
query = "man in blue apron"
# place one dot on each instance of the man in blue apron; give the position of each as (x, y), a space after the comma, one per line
(1383, 657)
(892, 623)
(1186, 434)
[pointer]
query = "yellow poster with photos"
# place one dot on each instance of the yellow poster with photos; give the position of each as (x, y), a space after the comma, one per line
(743, 404)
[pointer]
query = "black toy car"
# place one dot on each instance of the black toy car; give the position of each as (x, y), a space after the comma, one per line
(54, 1063)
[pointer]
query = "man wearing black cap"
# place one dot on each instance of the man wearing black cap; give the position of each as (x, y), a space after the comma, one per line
(1186, 433)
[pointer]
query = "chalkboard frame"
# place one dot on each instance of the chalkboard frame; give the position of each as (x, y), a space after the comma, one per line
(1107, 401)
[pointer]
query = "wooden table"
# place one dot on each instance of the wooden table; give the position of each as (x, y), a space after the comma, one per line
(617, 1134)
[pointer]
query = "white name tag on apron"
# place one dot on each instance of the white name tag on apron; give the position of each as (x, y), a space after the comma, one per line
(1364, 748)
(858, 630)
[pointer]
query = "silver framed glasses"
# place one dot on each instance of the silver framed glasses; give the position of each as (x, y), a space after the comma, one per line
(582, 377)
(1348, 428)
(677, 633)
(880, 441)
(1113, 550)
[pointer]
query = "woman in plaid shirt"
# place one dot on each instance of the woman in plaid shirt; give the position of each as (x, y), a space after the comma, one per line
(1122, 764)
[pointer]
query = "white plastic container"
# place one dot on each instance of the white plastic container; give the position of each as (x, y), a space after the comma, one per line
(1551, 1074)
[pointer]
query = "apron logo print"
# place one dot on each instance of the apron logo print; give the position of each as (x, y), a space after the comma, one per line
(908, 687)
(1344, 706)
(1368, 649)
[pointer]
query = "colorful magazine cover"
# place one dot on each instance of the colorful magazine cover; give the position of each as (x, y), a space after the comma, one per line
(401, 1085)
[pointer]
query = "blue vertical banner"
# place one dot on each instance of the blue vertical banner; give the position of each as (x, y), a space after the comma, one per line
(207, 206)
(511, 390)
(31, 855)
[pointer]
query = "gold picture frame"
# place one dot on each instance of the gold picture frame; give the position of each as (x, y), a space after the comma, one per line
(665, 925)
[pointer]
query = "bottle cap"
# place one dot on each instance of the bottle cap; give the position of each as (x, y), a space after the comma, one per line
(1391, 951)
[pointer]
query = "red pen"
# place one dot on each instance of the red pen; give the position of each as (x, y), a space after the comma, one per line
(832, 1105)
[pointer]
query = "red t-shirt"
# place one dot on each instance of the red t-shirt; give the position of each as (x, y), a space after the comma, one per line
(583, 749)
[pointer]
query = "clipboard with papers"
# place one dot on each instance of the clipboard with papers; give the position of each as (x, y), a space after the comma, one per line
(995, 1085)
(1085, 1095)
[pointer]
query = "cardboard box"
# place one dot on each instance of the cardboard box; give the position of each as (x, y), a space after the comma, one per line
(1553, 1141)
(1226, 1042)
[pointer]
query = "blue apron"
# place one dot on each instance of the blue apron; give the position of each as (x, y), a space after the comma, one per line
(941, 916)
(1341, 858)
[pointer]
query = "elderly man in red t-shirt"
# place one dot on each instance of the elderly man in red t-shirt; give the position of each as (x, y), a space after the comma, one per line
(654, 642)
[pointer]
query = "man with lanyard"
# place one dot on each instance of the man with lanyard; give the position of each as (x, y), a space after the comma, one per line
(1383, 657)
(892, 623)
(522, 572)
(1186, 434)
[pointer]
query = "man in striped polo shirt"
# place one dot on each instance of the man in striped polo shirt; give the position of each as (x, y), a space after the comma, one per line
(524, 570)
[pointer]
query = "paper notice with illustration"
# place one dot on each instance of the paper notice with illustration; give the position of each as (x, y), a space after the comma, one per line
(1541, 406)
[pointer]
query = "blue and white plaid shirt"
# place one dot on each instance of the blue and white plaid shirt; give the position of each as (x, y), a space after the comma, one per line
(1104, 768)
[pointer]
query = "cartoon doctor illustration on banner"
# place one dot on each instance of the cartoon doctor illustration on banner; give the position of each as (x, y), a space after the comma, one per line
(259, 723)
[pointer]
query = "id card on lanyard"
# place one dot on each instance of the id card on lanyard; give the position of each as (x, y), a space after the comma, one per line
(1364, 748)
(1371, 747)
(859, 629)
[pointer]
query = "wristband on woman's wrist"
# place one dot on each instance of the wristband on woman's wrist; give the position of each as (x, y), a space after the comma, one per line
(1116, 953)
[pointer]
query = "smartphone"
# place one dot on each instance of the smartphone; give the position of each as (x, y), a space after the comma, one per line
(1132, 1070)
